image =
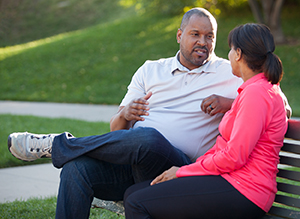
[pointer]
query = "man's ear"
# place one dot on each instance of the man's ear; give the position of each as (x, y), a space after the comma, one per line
(178, 36)
(238, 54)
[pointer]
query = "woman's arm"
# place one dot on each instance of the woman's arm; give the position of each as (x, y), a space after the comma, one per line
(252, 110)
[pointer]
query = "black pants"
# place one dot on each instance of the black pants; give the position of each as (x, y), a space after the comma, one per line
(189, 197)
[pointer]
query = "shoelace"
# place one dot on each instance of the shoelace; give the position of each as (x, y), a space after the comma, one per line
(41, 144)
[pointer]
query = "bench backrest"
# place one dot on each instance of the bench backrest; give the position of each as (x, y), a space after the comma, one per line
(287, 201)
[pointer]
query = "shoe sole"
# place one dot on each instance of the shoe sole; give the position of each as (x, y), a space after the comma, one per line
(9, 144)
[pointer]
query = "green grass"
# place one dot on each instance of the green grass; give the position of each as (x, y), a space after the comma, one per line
(43, 208)
(95, 64)
(92, 65)
(26, 20)
(41, 125)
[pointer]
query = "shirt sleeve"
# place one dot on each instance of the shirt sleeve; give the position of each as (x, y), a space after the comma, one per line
(136, 88)
(252, 109)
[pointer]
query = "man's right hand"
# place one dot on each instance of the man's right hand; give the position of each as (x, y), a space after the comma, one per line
(129, 114)
(137, 108)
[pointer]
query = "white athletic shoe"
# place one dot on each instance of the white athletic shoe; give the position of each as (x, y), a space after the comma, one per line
(29, 147)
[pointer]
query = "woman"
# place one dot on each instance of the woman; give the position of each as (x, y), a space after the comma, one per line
(237, 177)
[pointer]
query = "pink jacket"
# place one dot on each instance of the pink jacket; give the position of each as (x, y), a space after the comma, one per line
(251, 135)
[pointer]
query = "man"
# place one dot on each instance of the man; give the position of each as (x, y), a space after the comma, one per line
(168, 117)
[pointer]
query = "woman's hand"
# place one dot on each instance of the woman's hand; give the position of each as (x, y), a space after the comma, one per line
(165, 176)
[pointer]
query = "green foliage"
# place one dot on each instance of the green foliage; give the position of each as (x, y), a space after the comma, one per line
(216, 7)
(174, 7)
(43, 208)
(171, 7)
(43, 126)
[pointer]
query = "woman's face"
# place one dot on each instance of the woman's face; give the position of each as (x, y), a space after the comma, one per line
(233, 57)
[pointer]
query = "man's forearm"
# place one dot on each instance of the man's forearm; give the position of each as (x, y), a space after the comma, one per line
(118, 121)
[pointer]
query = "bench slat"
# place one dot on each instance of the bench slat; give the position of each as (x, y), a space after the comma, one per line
(284, 213)
(289, 201)
(289, 174)
(290, 147)
(293, 130)
(292, 189)
(271, 217)
(289, 161)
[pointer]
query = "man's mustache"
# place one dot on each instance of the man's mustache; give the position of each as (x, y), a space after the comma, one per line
(201, 47)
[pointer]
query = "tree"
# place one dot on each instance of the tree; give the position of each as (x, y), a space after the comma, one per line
(264, 11)
(268, 12)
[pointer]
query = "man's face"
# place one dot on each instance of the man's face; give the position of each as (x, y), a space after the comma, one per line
(196, 42)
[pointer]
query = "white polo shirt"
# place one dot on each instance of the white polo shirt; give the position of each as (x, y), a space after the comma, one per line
(177, 95)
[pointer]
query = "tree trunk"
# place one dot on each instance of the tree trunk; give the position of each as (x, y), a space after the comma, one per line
(256, 11)
(275, 22)
(271, 16)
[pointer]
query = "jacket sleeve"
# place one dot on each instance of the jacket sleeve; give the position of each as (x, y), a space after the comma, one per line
(252, 108)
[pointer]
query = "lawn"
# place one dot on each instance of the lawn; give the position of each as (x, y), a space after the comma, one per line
(43, 208)
(94, 64)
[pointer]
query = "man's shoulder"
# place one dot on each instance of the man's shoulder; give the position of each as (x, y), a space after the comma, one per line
(160, 62)
(151, 67)
(218, 61)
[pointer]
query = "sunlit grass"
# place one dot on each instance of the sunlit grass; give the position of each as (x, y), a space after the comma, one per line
(17, 49)
(93, 65)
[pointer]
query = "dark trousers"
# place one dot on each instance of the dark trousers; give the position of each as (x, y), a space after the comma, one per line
(104, 166)
(189, 197)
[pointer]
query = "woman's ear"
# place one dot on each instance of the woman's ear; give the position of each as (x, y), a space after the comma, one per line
(238, 54)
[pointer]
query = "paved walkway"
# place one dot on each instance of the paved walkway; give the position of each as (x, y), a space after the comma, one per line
(21, 183)
(87, 112)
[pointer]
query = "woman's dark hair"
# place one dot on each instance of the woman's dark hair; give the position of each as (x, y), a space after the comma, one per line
(257, 46)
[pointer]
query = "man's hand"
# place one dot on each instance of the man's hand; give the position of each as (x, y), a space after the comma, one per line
(137, 108)
(165, 176)
(216, 104)
(128, 115)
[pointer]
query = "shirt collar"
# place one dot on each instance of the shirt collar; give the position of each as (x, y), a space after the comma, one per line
(251, 81)
(208, 67)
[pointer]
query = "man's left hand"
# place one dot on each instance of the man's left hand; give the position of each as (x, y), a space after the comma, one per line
(216, 104)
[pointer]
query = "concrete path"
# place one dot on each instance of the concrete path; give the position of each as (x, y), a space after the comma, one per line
(86, 112)
(21, 183)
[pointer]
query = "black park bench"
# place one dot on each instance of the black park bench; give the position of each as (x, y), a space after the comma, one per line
(287, 201)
